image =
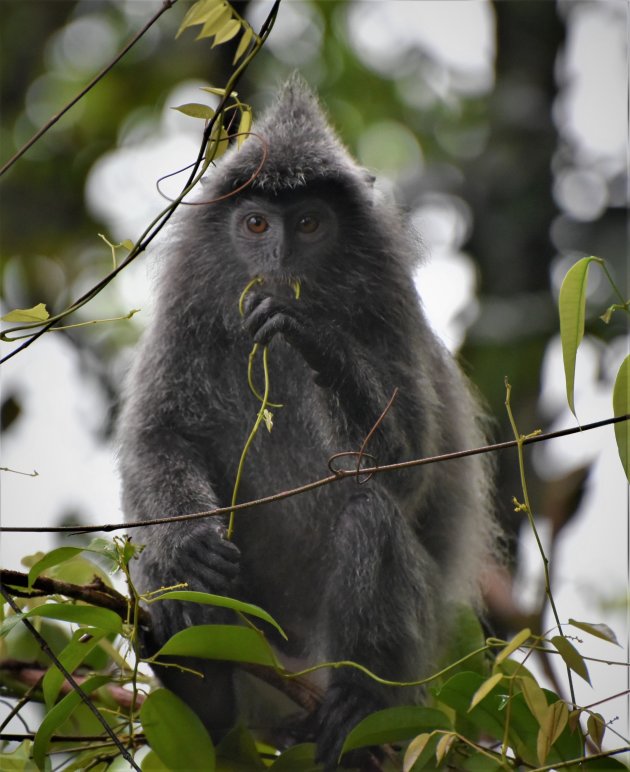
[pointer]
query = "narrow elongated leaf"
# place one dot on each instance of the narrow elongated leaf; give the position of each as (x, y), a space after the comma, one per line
(226, 32)
(197, 14)
(518, 640)
(196, 110)
(215, 21)
(552, 727)
(598, 629)
(394, 725)
(572, 310)
(415, 750)
(225, 642)
(58, 714)
(243, 45)
(37, 313)
(621, 406)
(535, 699)
(571, 656)
(244, 126)
(175, 732)
(82, 643)
(223, 602)
(90, 616)
(485, 689)
(444, 745)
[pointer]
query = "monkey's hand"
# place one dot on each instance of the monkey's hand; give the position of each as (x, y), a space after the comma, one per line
(199, 555)
(268, 316)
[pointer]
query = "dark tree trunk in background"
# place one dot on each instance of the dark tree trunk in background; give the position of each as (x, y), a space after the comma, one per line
(509, 188)
(509, 185)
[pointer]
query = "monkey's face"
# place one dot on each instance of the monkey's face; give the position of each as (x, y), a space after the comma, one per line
(284, 238)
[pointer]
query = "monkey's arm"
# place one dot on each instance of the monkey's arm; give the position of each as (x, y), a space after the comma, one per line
(164, 475)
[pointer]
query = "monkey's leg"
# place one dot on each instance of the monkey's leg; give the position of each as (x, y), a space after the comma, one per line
(380, 609)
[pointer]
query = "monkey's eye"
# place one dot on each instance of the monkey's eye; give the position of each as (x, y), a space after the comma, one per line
(308, 224)
(256, 223)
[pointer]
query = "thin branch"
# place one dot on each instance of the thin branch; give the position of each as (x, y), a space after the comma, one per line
(160, 221)
(340, 474)
(84, 697)
(300, 690)
(30, 674)
(97, 593)
(166, 5)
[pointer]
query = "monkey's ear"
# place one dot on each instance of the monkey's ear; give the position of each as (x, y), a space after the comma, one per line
(368, 178)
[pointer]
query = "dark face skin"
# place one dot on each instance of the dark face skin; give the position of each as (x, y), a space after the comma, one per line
(283, 239)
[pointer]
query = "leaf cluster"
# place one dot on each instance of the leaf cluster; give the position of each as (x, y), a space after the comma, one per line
(482, 712)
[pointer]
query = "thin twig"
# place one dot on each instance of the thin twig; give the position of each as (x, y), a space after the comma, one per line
(160, 221)
(166, 5)
(43, 645)
(336, 477)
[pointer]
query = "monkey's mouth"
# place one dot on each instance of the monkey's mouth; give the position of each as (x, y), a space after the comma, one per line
(284, 286)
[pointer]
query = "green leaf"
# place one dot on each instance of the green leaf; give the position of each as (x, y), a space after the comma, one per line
(418, 752)
(244, 126)
(225, 642)
(298, 758)
(243, 45)
(551, 728)
(457, 693)
(598, 629)
(152, 763)
(518, 640)
(229, 30)
(215, 21)
(37, 313)
(52, 558)
(621, 406)
(485, 689)
(572, 311)
(480, 762)
(82, 643)
(464, 636)
(196, 110)
(237, 752)
(90, 616)
(20, 760)
(571, 656)
(394, 725)
(218, 144)
(445, 743)
(197, 14)
(60, 713)
(175, 732)
(596, 726)
(223, 602)
(535, 699)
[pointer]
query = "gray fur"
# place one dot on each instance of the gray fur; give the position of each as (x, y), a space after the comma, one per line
(364, 573)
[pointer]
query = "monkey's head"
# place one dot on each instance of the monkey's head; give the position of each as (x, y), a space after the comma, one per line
(292, 194)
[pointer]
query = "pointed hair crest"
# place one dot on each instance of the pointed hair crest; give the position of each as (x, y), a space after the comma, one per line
(300, 144)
